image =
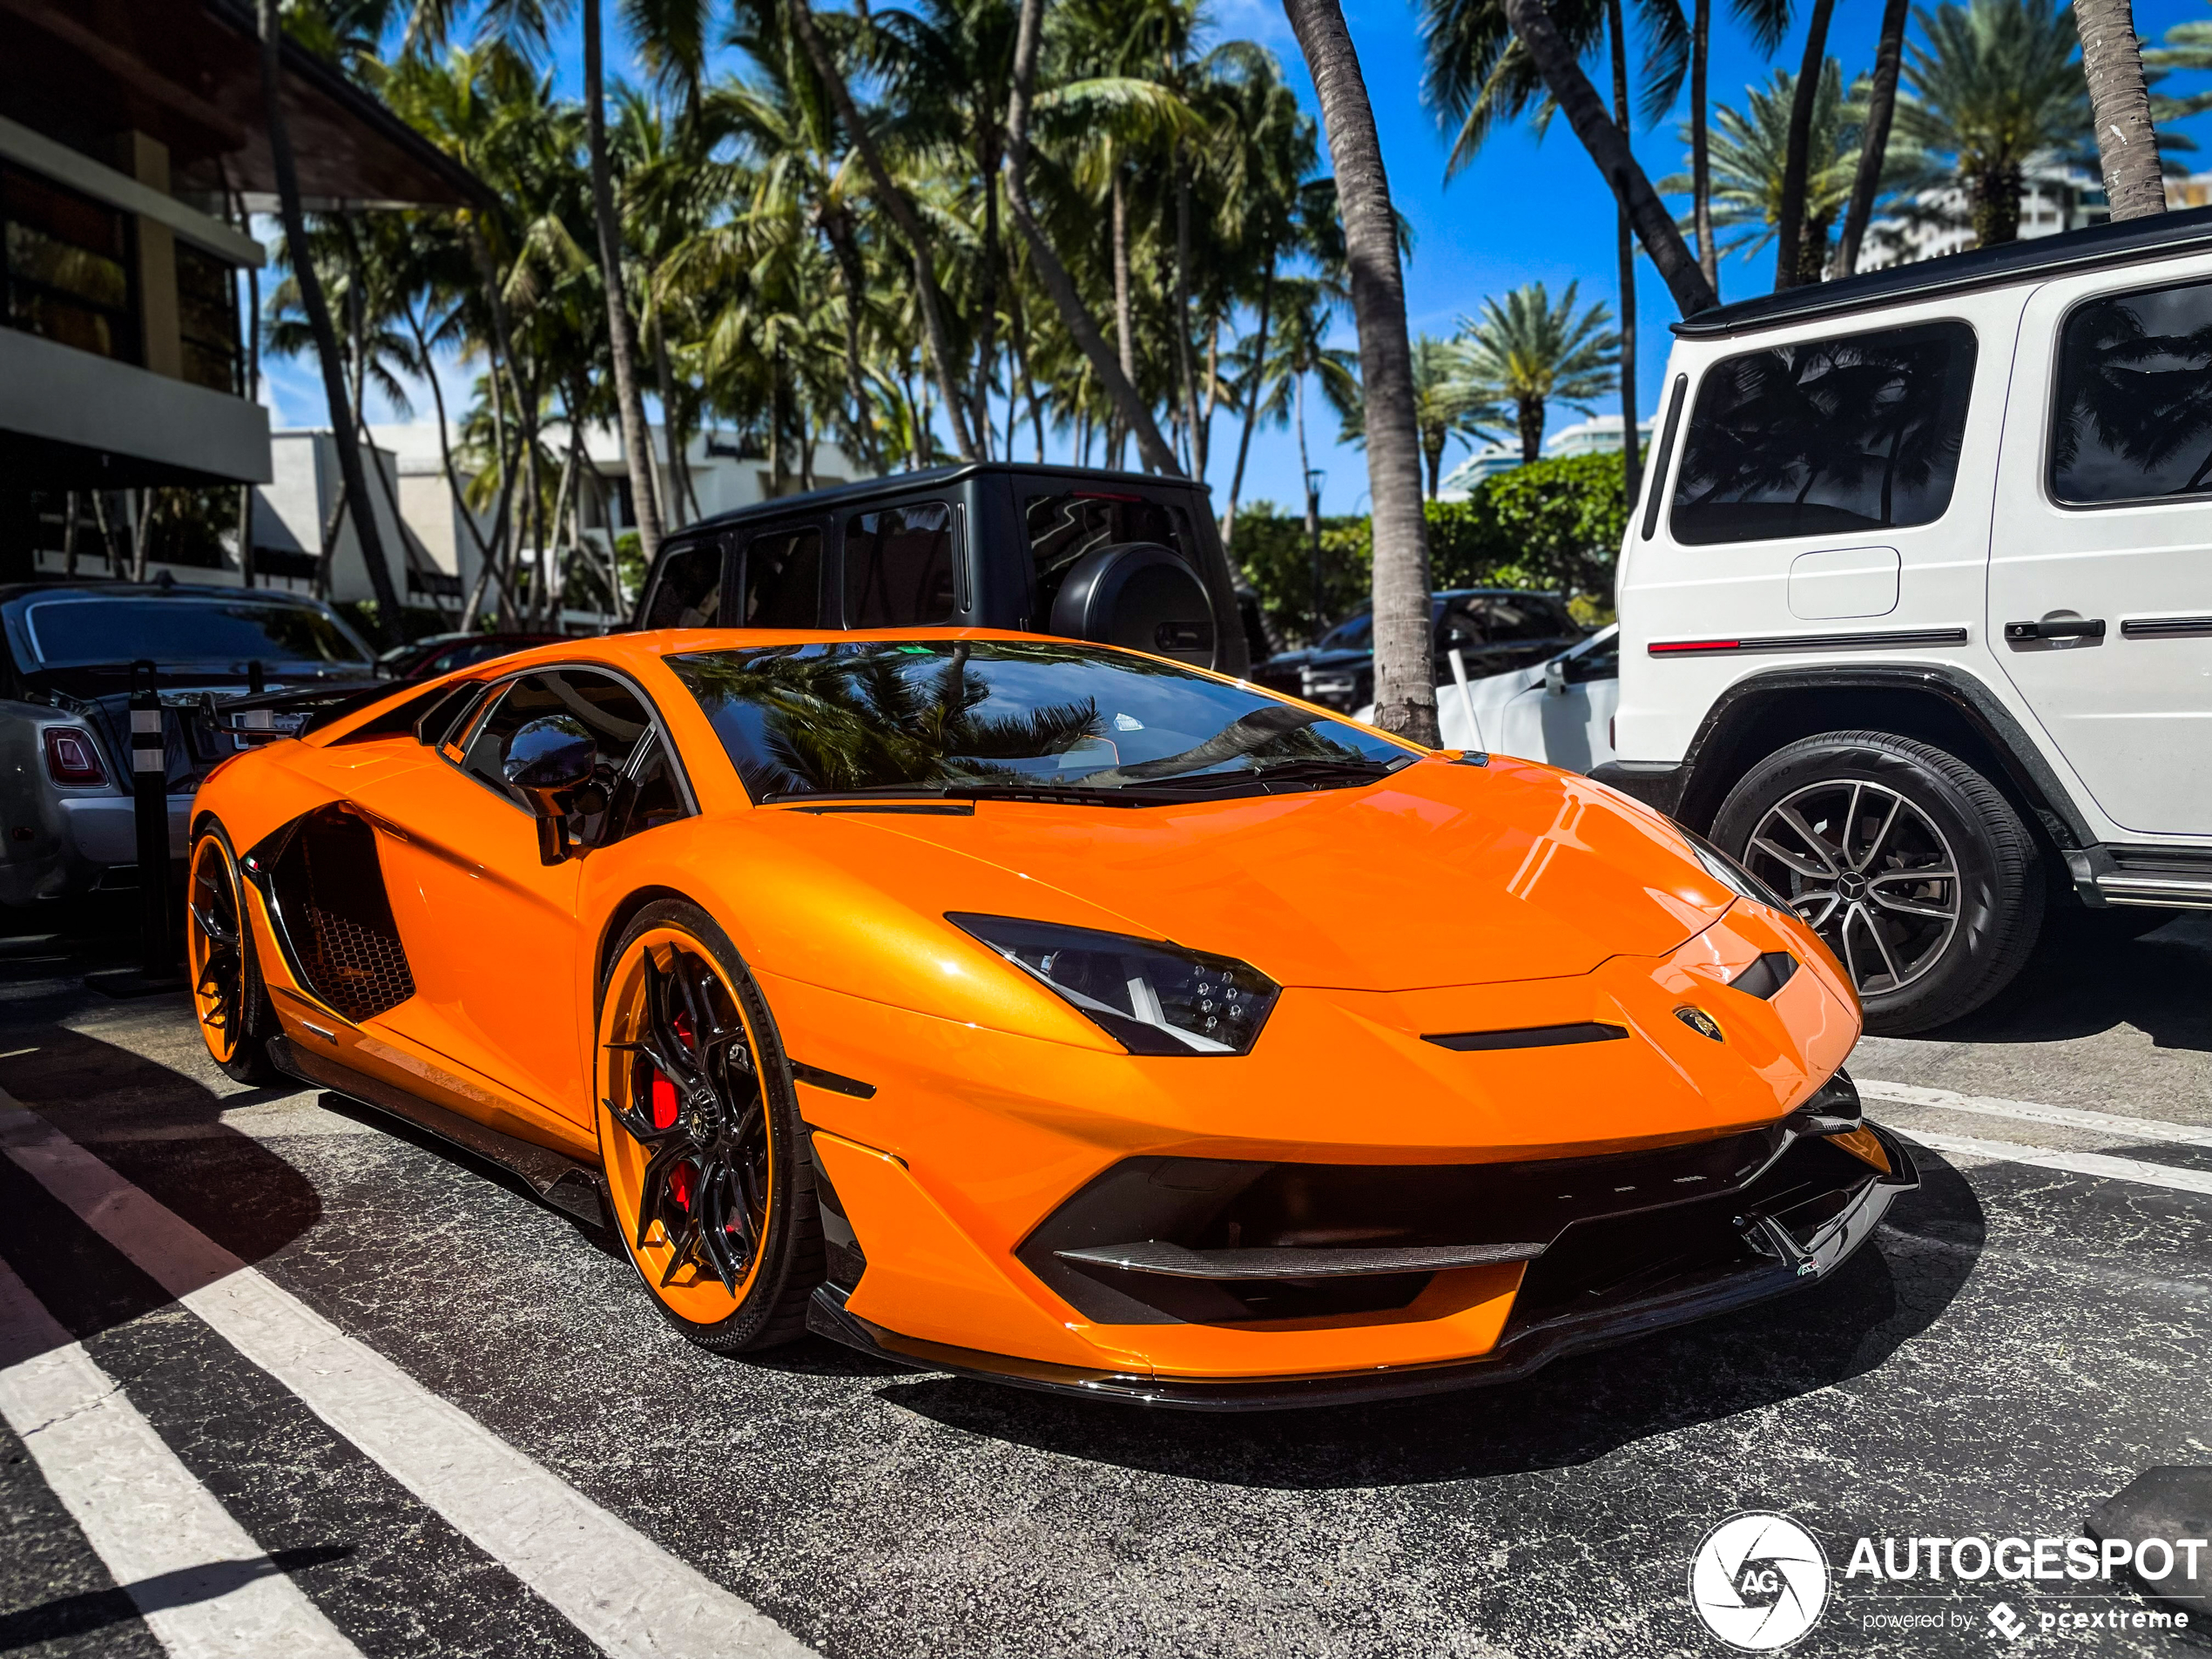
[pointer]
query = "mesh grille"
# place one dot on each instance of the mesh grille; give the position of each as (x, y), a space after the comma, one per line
(361, 971)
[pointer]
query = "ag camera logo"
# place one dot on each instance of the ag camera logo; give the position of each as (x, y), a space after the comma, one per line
(1759, 1581)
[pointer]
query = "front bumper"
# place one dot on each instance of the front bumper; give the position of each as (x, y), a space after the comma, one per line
(1780, 1257)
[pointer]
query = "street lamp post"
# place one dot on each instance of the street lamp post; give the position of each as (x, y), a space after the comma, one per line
(1315, 477)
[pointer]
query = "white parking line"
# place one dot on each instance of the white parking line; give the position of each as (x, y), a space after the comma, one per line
(204, 1587)
(623, 1592)
(2028, 1111)
(2045, 1157)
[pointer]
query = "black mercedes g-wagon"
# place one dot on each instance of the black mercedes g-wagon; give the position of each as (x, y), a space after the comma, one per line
(1122, 558)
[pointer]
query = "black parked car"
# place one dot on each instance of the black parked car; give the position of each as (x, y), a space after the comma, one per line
(1122, 558)
(1286, 671)
(1494, 630)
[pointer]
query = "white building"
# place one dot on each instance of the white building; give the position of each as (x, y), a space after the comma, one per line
(2055, 201)
(1599, 434)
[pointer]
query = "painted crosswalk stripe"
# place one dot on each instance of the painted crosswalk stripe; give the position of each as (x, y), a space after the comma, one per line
(627, 1595)
(2046, 1157)
(2028, 1111)
(204, 1587)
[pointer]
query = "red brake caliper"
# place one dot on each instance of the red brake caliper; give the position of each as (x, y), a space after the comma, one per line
(664, 1091)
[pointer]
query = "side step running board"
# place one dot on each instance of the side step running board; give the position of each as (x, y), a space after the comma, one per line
(567, 1184)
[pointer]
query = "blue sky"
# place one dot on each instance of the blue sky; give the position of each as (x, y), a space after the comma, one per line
(1523, 211)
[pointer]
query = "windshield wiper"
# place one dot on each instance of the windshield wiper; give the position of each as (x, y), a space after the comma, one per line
(1316, 773)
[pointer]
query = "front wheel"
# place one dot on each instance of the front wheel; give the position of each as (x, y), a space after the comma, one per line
(236, 1020)
(1914, 870)
(709, 1179)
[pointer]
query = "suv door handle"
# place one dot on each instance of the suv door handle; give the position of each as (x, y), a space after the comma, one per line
(2058, 628)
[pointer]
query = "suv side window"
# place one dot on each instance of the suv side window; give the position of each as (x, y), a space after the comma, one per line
(2132, 417)
(779, 579)
(1826, 436)
(634, 787)
(688, 593)
(899, 566)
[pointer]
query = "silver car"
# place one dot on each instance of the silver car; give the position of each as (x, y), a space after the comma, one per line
(65, 802)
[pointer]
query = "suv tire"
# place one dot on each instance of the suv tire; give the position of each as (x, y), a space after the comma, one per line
(1917, 872)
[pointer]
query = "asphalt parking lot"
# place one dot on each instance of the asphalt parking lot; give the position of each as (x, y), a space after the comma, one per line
(413, 1412)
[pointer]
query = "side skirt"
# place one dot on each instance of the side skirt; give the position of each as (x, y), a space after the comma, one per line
(567, 1184)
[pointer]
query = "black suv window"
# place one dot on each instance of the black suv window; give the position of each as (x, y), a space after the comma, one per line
(1063, 528)
(899, 566)
(1861, 432)
(688, 593)
(779, 580)
(635, 787)
(2132, 416)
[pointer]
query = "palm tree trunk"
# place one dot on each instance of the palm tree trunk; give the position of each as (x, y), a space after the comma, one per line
(2126, 142)
(1202, 453)
(1319, 623)
(1125, 308)
(679, 468)
(1700, 148)
(1881, 110)
(1251, 404)
(839, 228)
(1404, 673)
(1528, 414)
(1631, 455)
(1789, 262)
(1183, 363)
(622, 339)
(445, 452)
(893, 201)
(987, 302)
(1608, 148)
(1066, 298)
(312, 300)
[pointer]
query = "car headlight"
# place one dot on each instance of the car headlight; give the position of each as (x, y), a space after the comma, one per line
(1151, 997)
(1730, 875)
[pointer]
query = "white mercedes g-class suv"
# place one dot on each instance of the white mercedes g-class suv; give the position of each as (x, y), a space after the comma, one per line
(1916, 613)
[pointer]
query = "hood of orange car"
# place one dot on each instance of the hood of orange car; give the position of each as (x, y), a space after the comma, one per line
(1442, 874)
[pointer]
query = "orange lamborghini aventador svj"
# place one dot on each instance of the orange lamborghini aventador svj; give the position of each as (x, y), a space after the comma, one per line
(1045, 1011)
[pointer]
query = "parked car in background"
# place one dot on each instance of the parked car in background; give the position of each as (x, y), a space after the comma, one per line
(1493, 630)
(1118, 558)
(1915, 613)
(1284, 671)
(1559, 711)
(422, 659)
(65, 802)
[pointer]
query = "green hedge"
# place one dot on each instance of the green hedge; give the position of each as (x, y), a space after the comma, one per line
(1553, 525)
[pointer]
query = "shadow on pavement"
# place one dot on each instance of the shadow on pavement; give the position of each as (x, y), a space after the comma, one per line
(1569, 1413)
(2080, 982)
(91, 1610)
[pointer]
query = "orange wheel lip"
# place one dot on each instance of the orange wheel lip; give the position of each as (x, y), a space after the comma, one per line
(199, 950)
(700, 1299)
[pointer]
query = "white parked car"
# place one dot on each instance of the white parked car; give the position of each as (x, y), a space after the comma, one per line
(1560, 711)
(1916, 613)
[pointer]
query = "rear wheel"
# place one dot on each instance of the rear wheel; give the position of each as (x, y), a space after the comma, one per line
(236, 1020)
(699, 1136)
(1912, 866)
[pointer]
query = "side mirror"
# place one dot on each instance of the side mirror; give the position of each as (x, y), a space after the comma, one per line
(547, 762)
(1555, 676)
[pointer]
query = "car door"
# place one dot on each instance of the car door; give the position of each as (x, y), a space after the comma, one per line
(2101, 558)
(497, 967)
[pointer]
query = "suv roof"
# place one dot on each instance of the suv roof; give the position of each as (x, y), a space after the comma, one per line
(2120, 242)
(927, 477)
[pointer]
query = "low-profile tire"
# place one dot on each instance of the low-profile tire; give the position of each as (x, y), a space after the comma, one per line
(1915, 870)
(710, 1181)
(236, 1018)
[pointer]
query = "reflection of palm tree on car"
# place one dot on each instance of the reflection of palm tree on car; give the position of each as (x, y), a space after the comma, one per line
(2143, 395)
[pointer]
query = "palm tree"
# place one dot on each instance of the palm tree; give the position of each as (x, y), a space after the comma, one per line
(1790, 216)
(1752, 155)
(2127, 142)
(1995, 89)
(1447, 405)
(1405, 686)
(1528, 353)
(1874, 144)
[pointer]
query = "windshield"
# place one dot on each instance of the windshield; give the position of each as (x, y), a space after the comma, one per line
(102, 632)
(980, 715)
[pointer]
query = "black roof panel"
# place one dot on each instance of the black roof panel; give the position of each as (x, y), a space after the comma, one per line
(2120, 242)
(894, 483)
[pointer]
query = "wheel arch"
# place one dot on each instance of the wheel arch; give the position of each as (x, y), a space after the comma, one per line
(619, 919)
(1761, 713)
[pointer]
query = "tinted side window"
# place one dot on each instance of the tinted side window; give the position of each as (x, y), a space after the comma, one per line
(1063, 528)
(899, 566)
(1826, 436)
(780, 580)
(688, 593)
(634, 788)
(2132, 416)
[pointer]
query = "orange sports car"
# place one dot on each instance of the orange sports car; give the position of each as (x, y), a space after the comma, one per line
(1046, 1011)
